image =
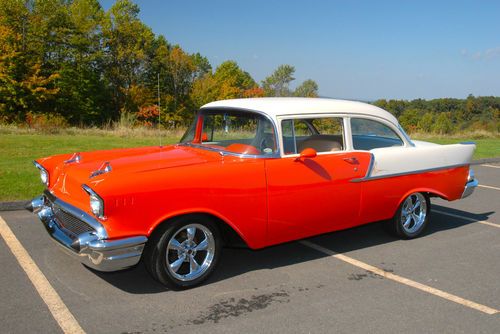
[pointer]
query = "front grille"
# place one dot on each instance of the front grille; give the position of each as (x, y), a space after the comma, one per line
(71, 223)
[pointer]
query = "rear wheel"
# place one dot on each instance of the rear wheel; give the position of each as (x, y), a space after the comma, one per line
(412, 216)
(185, 253)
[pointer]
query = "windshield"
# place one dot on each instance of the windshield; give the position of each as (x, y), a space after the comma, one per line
(232, 131)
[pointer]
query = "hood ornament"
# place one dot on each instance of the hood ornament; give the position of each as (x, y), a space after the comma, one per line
(74, 158)
(105, 168)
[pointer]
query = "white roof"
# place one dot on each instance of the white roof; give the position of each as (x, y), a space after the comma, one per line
(280, 106)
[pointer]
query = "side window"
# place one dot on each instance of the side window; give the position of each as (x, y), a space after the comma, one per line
(324, 134)
(368, 134)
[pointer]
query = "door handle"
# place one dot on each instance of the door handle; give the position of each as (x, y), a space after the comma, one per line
(352, 160)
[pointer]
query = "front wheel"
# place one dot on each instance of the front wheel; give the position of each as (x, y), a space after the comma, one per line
(185, 254)
(412, 216)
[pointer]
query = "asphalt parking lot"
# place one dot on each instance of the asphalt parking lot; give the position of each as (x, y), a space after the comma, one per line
(359, 280)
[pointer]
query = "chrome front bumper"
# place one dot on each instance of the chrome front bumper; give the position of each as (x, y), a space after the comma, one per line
(471, 184)
(90, 247)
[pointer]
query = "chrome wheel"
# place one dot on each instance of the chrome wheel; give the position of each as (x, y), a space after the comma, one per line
(190, 252)
(413, 213)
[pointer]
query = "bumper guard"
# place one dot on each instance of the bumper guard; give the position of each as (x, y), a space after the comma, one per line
(89, 247)
(471, 184)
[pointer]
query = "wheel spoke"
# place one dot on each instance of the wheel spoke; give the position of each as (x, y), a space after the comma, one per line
(193, 265)
(175, 245)
(416, 218)
(177, 263)
(417, 204)
(407, 222)
(202, 245)
(408, 204)
(191, 231)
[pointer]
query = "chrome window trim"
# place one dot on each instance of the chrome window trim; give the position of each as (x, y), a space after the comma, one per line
(348, 134)
(224, 152)
(405, 135)
(282, 118)
(405, 140)
(228, 153)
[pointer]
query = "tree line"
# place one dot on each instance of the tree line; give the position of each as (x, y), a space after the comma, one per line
(73, 63)
(70, 62)
(446, 115)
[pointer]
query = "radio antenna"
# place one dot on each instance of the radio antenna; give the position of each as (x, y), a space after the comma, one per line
(159, 108)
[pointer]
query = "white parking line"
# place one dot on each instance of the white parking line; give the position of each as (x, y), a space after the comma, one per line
(467, 218)
(491, 166)
(60, 312)
(402, 280)
(489, 187)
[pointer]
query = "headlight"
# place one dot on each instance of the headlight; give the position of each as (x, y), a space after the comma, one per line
(44, 175)
(96, 202)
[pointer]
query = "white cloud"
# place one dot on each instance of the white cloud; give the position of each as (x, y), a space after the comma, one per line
(492, 53)
(482, 55)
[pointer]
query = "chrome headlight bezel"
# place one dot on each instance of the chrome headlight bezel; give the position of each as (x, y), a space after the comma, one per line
(44, 174)
(96, 203)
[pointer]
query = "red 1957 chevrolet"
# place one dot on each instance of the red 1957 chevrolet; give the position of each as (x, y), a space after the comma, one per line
(262, 171)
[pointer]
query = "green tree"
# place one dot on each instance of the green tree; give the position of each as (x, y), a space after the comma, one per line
(443, 124)
(233, 76)
(426, 122)
(23, 86)
(228, 82)
(84, 96)
(180, 75)
(202, 65)
(409, 119)
(125, 40)
(308, 88)
(277, 84)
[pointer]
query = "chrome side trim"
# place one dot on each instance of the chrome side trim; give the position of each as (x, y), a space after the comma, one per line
(371, 178)
(370, 166)
(80, 214)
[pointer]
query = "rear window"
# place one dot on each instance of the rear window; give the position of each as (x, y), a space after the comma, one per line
(368, 134)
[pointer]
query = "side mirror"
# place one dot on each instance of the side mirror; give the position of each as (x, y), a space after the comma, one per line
(307, 153)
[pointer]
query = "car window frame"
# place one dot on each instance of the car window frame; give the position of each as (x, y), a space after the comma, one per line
(396, 129)
(281, 118)
(274, 155)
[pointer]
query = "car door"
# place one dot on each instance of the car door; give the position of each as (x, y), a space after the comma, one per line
(314, 194)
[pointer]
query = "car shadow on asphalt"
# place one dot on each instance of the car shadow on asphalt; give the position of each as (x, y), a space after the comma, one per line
(238, 261)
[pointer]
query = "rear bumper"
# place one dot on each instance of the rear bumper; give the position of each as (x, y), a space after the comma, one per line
(471, 184)
(90, 247)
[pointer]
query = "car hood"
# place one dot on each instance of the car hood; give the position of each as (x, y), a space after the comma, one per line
(124, 163)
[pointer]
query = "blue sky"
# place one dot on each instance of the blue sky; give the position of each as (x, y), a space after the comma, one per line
(353, 49)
